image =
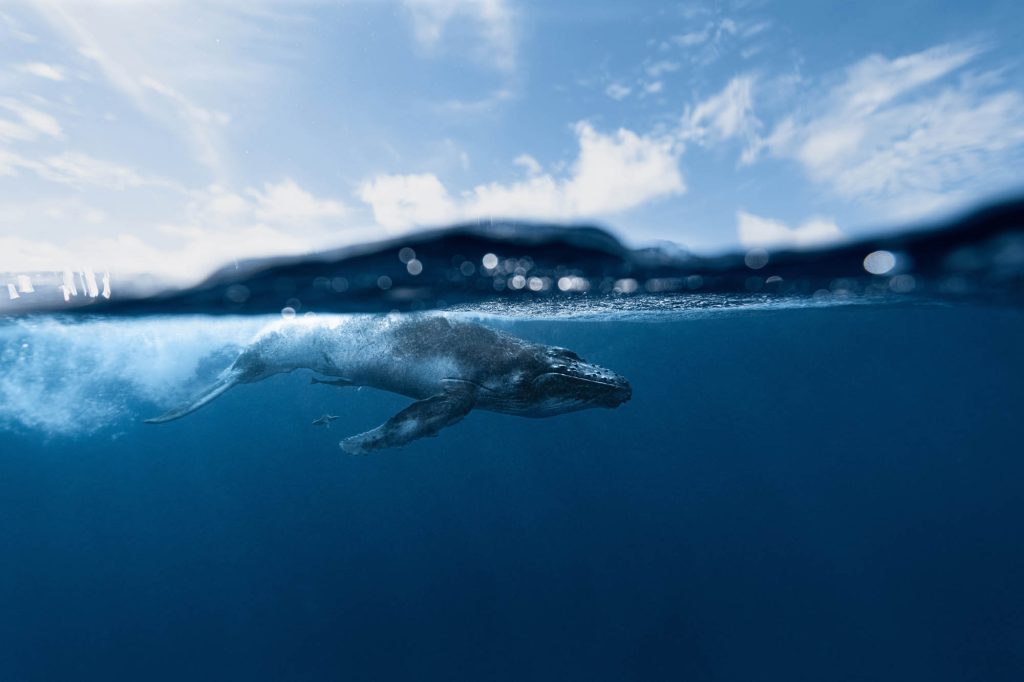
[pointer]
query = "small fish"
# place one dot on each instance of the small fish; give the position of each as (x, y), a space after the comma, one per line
(325, 420)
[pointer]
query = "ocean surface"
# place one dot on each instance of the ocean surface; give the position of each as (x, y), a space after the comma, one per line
(820, 481)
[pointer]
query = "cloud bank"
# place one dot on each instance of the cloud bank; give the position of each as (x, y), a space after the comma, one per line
(217, 226)
(612, 172)
(754, 231)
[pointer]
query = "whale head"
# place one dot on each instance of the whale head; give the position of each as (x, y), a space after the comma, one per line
(564, 382)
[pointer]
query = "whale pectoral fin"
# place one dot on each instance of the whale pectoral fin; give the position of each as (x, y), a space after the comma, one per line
(421, 419)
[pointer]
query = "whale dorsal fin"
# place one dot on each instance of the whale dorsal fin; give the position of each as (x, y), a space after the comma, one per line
(421, 419)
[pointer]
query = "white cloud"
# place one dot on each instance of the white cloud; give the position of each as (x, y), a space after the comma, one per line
(12, 27)
(493, 19)
(618, 91)
(31, 122)
(875, 81)
(754, 230)
(178, 254)
(653, 88)
(478, 106)
(893, 131)
(47, 71)
(10, 130)
(9, 162)
(751, 30)
(403, 201)
(723, 116)
(287, 203)
(200, 123)
(109, 37)
(217, 225)
(704, 46)
(171, 59)
(658, 69)
(693, 38)
(283, 204)
(81, 169)
(613, 173)
(77, 169)
(529, 163)
(190, 111)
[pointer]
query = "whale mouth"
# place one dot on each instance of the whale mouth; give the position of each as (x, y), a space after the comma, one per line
(622, 389)
(609, 391)
(617, 394)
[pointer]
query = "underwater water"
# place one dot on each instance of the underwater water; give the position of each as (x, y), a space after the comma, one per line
(810, 484)
(828, 492)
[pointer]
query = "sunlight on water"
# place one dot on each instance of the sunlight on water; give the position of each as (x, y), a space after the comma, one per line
(879, 262)
(978, 255)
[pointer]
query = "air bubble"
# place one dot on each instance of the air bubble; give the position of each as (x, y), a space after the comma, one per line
(879, 262)
(237, 293)
(756, 259)
(626, 286)
(902, 284)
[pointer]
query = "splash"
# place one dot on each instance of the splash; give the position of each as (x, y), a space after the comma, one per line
(76, 378)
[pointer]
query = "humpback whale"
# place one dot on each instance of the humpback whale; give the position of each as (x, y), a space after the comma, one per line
(448, 366)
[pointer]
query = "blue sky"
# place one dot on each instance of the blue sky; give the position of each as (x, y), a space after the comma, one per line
(170, 137)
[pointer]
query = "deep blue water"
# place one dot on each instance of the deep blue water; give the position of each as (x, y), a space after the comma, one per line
(830, 493)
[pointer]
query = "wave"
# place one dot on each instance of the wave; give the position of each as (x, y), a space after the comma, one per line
(505, 265)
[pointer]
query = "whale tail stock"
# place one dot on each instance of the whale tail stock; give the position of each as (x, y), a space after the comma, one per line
(227, 379)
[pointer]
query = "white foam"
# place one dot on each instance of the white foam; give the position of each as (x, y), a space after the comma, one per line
(68, 285)
(68, 379)
(90, 284)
